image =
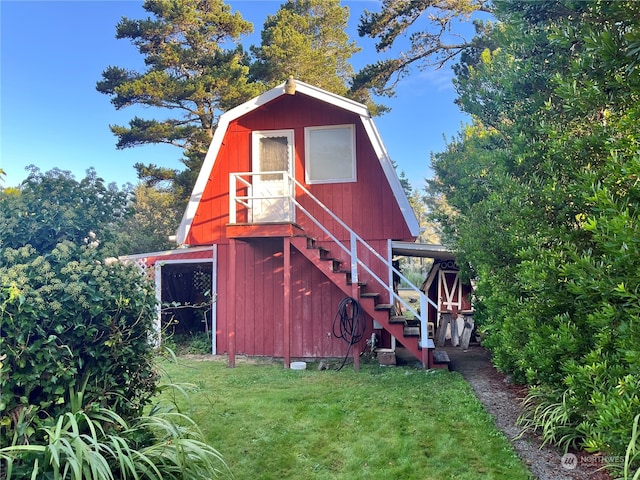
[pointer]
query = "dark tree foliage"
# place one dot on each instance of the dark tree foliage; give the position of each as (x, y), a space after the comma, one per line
(306, 39)
(52, 207)
(432, 27)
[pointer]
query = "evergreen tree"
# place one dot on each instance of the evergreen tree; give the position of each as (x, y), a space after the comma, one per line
(153, 222)
(306, 39)
(433, 29)
(195, 69)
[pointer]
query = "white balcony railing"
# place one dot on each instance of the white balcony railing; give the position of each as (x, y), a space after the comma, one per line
(248, 196)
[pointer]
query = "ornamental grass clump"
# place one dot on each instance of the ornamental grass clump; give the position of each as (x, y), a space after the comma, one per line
(632, 456)
(97, 444)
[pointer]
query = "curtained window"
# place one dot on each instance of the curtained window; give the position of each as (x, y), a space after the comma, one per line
(274, 156)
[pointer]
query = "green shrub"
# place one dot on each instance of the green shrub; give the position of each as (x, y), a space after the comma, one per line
(53, 207)
(416, 277)
(69, 319)
(544, 187)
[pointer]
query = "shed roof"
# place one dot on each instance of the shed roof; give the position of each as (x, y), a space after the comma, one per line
(426, 250)
(185, 255)
(305, 89)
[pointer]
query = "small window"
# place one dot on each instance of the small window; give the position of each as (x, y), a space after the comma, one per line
(330, 154)
(273, 156)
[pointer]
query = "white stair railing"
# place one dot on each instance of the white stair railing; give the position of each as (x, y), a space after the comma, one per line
(355, 241)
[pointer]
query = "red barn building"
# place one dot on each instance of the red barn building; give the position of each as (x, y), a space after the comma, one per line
(300, 204)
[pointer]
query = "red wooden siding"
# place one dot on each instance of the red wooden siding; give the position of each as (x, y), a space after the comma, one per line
(259, 303)
(368, 205)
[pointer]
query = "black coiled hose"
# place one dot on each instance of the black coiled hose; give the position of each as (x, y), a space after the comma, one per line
(348, 324)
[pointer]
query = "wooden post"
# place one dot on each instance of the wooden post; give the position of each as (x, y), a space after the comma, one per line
(287, 303)
(468, 329)
(441, 333)
(231, 346)
(425, 357)
(455, 336)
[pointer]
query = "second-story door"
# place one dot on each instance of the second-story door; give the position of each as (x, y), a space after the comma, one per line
(272, 163)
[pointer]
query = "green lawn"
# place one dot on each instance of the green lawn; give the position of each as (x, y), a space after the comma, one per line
(378, 423)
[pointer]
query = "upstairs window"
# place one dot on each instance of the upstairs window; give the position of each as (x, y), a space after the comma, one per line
(330, 154)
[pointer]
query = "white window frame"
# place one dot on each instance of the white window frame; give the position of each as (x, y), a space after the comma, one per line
(308, 141)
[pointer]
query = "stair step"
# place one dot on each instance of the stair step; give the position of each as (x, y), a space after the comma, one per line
(348, 275)
(397, 319)
(411, 331)
(324, 254)
(336, 262)
(386, 356)
(440, 356)
(370, 295)
(384, 306)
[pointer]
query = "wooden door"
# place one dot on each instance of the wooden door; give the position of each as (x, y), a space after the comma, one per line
(272, 151)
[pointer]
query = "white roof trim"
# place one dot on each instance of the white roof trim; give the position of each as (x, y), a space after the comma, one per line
(425, 250)
(392, 176)
(314, 92)
(165, 253)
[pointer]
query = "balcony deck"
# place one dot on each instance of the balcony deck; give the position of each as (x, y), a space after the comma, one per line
(263, 230)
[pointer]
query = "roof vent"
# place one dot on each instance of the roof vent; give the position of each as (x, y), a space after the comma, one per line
(290, 86)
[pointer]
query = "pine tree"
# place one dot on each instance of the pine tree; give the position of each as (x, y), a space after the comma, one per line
(195, 69)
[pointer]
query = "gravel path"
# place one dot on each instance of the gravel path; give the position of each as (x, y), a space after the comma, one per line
(503, 401)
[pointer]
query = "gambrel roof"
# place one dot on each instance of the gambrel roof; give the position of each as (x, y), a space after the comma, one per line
(317, 93)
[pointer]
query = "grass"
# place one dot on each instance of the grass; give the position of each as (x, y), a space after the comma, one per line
(379, 423)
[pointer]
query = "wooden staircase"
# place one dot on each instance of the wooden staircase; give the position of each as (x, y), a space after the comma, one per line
(383, 313)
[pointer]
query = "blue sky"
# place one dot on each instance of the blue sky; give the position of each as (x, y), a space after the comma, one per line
(53, 53)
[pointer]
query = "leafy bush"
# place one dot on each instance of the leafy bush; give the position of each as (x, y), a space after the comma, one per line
(71, 321)
(68, 319)
(188, 343)
(547, 210)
